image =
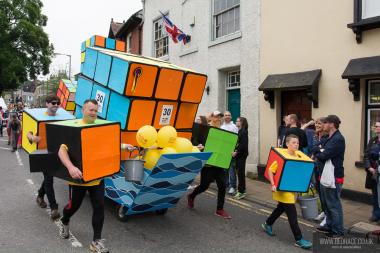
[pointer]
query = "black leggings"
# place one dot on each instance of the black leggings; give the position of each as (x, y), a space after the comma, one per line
(77, 194)
(48, 189)
(208, 175)
(291, 212)
(240, 168)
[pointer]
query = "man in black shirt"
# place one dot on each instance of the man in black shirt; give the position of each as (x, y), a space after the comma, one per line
(294, 129)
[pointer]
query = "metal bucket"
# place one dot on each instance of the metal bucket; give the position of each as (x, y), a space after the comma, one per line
(309, 206)
(134, 170)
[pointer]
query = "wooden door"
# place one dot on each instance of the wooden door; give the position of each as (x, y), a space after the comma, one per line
(296, 102)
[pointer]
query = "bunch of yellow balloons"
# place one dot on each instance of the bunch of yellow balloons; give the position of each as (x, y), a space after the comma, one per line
(165, 141)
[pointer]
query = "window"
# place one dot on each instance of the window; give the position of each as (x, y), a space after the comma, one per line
(370, 8)
(233, 79)
(129, 43)
(373, 106)
(226, 17)
(161, 41)
(366, 17)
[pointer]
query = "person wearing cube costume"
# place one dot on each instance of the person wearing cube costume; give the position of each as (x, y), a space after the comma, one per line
(95, 188)
(222, 143)
(34, 136)
(286, 200)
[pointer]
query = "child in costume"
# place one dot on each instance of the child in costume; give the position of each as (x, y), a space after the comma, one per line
(286, 200)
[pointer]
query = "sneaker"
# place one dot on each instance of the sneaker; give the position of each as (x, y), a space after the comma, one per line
(41, 202)
(333, 235)
(223, 214)
(231, 191)
(323, 223)
(64, 230)
(190, 202)
(304, 244)
(320, 217)
(54, 214)
(239, 195)
(267, 229)
(98, 246)
(323, 229)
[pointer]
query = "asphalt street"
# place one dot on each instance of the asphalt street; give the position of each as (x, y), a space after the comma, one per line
(25, 227)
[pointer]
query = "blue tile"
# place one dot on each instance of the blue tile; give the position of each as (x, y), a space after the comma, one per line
(110, 43)
(118, 109)
(118, 75)
(83, 46)
(296, 176)
(84, 90)
(78, 112)
(90, 63)
(92, 41)
(102, 70)
(102, 95)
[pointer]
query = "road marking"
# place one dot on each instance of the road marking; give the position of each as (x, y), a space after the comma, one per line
(19, 158)
(5, 148)
(249, 207)
(75, 243)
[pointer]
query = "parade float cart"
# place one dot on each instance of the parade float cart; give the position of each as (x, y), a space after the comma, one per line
(293, 175)
(161, 187)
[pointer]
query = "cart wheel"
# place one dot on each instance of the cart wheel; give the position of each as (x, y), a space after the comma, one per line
(122, 213)
(162, 211)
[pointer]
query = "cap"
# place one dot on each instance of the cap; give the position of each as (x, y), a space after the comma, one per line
(217, 113)
(333, 119)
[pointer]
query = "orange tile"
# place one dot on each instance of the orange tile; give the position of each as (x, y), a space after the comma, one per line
(169, 84)
(141, 114)
(100, 41)
(144, 84)
(193, 88)
(100, 151)
(186, 135)
(166, 112)
(186, 115)
(120, 46)
(129, 138)
(42, 134)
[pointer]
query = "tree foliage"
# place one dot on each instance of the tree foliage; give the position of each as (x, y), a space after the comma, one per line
(25, 50)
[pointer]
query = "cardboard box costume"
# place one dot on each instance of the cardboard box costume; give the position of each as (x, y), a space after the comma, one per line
(293, 175)
(93, 148)
(34, 120)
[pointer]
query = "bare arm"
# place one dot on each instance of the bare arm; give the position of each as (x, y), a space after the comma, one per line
(65, 159)
(270, 175)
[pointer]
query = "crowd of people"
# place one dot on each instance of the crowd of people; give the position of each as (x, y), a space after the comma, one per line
(320, 139)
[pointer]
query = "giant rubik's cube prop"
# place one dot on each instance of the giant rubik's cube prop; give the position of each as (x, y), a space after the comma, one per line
(138, 91)
(66, 93)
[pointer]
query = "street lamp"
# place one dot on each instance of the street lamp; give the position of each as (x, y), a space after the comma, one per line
(68, 55)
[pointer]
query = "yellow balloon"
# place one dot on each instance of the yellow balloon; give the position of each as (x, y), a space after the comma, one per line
(195, 149)
(183, 145)
(166, 136)
(168, 150)
(151, 157)
(146, 136)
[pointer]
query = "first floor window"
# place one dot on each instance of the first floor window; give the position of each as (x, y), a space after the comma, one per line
(161, 40)
(226, 17)
(370, 8)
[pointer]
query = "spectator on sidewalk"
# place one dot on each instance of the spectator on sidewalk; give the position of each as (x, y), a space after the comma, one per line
(282, 131)
(52, 105)
(286, 200)
(209, 174)
(309, 128)
(332, 149)
(15, 127)
(1, 121)
(371, 163)
(78, 191)
(240, 154)
(229, 125)
(11, 112)
(318, 139)
(295, 130)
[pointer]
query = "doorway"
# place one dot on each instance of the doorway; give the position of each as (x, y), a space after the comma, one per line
(296, 102)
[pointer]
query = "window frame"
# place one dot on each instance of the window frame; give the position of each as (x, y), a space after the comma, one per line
(219, 14)
(368, 108)
(361, 24)
(164, 36)
(237, 71)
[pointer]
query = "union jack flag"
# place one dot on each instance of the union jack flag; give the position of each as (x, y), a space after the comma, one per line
(174, 32)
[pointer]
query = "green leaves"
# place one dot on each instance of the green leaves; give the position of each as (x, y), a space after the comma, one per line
(25, 50)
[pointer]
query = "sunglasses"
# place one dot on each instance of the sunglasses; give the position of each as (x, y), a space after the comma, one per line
(55, 102)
